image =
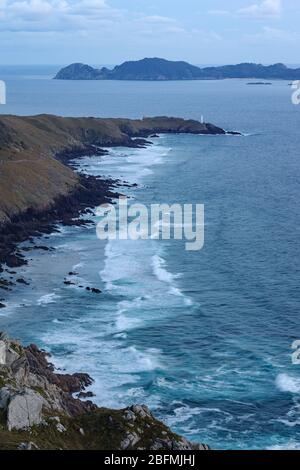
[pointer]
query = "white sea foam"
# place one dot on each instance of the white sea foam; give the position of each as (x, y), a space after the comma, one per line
(132, 165)
(160, 271)
(77, 266)
(286, 383)
(290, 445)
(117, 367)
(48, 299)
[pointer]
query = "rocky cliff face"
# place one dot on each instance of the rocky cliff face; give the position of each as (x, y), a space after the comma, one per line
(38, 410)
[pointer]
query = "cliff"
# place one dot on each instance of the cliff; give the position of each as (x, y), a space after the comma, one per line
(38, 411)
(30, 174)
(156, 69)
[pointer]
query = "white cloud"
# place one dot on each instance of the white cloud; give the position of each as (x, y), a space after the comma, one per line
(268, 34)
(156, 24)
(55, 15)
(156, 19)
(219, 12)
(264, 9)
(206, 36)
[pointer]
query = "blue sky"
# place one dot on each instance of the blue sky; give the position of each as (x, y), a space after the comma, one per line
(111, 31)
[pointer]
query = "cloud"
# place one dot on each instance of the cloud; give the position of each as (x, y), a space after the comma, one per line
(219, 12)
(80, 16)
(264, 9)
(206, 36)
(156, 19)
(156, 24)
(272, 34)
(55, 15)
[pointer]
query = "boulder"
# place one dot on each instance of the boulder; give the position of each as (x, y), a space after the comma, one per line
(27, 446)
(2, 353)
(11, 354)
(5, 394)
(131, 439)
(24, 410)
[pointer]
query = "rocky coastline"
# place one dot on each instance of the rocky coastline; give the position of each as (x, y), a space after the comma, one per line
(38, 410)
(39, 189)
(38, 185)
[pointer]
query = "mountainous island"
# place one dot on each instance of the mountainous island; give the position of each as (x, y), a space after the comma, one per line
(155, 69)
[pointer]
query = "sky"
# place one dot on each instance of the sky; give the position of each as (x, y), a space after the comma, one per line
(97, 32)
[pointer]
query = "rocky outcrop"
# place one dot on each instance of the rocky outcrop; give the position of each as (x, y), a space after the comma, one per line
(29, 386)
(24, 408)
(38, 410)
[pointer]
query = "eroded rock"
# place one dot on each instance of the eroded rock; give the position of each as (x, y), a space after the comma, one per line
(25, 410)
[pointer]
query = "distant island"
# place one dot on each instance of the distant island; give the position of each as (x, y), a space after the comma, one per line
(259, 83)
(156, 69)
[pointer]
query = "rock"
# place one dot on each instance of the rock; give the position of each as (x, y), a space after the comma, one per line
(24, 410)
(96, 291)
(54, 418)
(129, 415)
(73, 273)
(27, 446)
(141, 410)
(2, 352)
(11, 354)
(69, 283)
(60, 427)
(22, 281)
(86, 395)
(161, 444)
(130, 441)
(2, 305)
(5, 394)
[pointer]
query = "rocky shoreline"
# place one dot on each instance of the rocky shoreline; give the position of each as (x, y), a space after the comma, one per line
(39, 190)
(65, 210)
(38, 410)
(38, 184)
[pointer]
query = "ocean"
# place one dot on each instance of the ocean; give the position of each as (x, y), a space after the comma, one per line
(204, 338)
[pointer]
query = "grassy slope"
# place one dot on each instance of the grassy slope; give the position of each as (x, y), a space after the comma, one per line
(103, 429)
(30, 176)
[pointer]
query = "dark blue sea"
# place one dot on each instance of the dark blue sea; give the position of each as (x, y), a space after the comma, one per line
(204, 338)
